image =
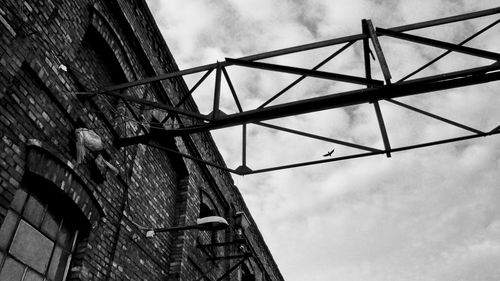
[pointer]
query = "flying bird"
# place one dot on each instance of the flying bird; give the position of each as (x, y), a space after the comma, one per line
(329, 153)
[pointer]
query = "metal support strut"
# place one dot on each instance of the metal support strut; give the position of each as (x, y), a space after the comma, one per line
(365, 90)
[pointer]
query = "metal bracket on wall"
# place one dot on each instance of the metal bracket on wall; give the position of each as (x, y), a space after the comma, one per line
(243, 256)
(376, 91)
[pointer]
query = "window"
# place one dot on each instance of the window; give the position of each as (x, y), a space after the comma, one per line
(211, 236)
(168, 142)
(37, 241)
(207, 209)
(207, 206)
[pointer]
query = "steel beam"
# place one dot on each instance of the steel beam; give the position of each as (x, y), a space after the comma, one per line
(447, 83)
(158, 78)
(360, 155)
(218, 166)
(305, 72)
(230, 257)
(411, 87)
(218, 73)
(312, 136)
(291, 85)
(221, 244)
(225, 275)
(369, 29)
(300, 48)
(383, 130)
(375, 91)
(356, 37)
(437, 117)
(449, 51)
(231, 88)
(244, 146)
(144, 139)
(446, 20)
(188, 95)
(134, 114)
(158, 105)
(440, 44)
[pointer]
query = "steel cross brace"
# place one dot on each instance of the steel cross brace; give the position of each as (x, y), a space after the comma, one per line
(300, 48)
(243, 258)
(439, 82)
(369, 29)
(376, 91)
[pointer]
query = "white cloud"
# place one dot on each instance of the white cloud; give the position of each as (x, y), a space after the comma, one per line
(423, 215)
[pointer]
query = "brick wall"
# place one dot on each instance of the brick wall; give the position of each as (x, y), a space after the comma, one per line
(102, 43)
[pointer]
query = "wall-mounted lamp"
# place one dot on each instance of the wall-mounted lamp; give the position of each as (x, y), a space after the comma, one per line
(206, 223)
(241, 223)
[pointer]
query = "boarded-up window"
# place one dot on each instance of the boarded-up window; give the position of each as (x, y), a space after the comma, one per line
(37, 241)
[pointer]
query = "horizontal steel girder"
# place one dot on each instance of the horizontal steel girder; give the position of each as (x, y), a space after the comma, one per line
(306, 72)
(411, 87)
(440, 44)
(375, 91)
(300, 48)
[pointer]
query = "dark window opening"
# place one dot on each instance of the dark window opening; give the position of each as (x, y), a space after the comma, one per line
(97, 55)
(93, 41)
(207, 205)
(168, 142)
(205, 211)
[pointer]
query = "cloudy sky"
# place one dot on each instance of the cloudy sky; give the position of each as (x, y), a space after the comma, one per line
(426, 214)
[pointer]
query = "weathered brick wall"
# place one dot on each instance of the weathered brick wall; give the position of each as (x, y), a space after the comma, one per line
(103, 43)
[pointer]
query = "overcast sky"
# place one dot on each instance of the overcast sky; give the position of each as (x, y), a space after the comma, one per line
(426, 214)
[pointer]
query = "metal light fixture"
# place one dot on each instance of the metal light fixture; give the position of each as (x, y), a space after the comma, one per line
(241, 223)
(206, 223)
(241, 250)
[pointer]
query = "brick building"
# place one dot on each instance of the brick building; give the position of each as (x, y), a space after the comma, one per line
(73, 204)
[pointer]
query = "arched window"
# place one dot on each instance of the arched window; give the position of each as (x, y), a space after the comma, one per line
(207, 206)
(168, 142)
(207, 209)
(39, 235)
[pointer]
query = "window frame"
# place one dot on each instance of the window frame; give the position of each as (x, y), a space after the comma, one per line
(54, 207)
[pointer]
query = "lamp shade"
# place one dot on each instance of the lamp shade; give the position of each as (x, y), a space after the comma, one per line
(211, 223)
(206, 223)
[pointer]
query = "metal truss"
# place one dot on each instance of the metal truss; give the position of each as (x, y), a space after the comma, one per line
(373, 91)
